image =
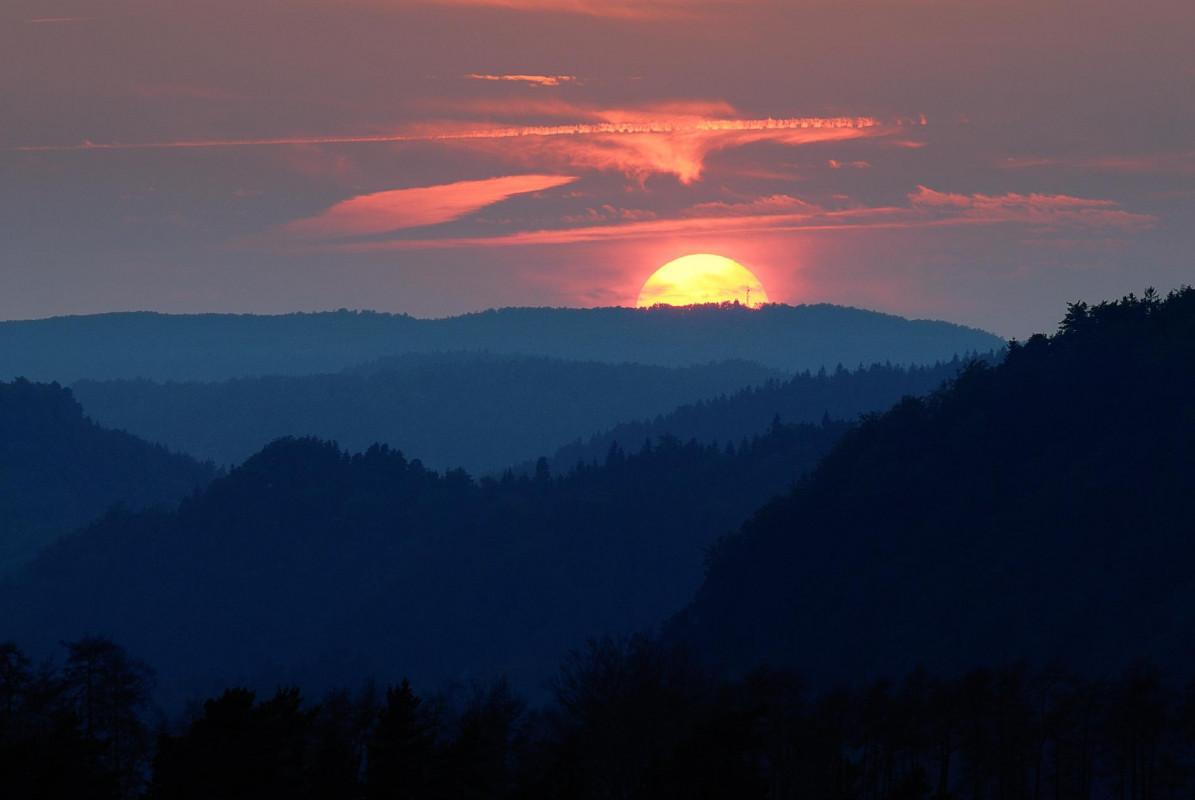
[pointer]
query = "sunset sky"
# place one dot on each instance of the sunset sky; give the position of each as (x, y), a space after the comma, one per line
(981, 161)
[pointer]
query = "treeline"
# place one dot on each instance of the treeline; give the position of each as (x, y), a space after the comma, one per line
(60, 470)
(627, 718)
(209, 347)
(840, 393)
(476, 411)
(1039, 508)
(282, 569)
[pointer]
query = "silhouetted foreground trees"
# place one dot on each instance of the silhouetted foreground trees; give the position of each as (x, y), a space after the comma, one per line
(82, 731)
(628, 718)
(59, 470)
(1040, 508)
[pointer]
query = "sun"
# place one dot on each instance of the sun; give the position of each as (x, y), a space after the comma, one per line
(702, 278)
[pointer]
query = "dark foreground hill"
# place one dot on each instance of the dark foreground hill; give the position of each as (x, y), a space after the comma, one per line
(60, 470)
(218, 346)
(476, 411)
(309, 565)
(806, 397)
(1038, 509)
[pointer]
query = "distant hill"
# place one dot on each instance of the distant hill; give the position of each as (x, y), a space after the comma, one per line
(309, 565)
(1038, 509)
(59, 470)
(476, 411)
(806, 397)
(218, 346)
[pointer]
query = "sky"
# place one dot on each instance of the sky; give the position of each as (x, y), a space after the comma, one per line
(980, 161)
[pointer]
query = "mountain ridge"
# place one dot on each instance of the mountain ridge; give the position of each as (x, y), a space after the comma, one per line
(481, 412)
(309, 564)
(59, 469)
(210, 347)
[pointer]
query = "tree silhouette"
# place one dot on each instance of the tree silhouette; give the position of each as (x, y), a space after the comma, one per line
(109, 691)
(403, 762)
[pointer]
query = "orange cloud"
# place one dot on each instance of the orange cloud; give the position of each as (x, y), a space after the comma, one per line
(671, 139)
(771, 204)
(386, 212)
(784, 214)
(641, 144)
(534, 80)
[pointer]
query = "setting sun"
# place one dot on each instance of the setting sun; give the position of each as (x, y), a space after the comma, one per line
(702, 278)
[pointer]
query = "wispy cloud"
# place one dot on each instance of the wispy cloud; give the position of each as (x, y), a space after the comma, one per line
(1175, 163)
(666, 140)
(400, 209)
(534, 80)
(926, 208)
(1049, 211)
(613, 9)
(612, 128)
(675, 140)
(56, 20)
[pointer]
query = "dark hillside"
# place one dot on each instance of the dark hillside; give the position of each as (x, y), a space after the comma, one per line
(59, 470)
(477, 411)
(1041, 508)
(806, 397)
(309, 565)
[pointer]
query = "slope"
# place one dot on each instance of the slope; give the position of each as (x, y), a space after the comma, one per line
(805, 397)
(472, 410)
(309, 565)
(1038, 509)
(59, 470)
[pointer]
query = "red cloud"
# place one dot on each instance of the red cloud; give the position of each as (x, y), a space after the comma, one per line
(673, 138)
(785, 214)
(386, 212)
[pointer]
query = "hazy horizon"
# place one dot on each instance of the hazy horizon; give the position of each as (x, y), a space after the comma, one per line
(471, 312)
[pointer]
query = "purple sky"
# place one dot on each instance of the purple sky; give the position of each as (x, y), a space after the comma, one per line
(981, 161)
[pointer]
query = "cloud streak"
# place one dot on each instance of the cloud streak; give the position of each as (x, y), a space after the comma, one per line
(927, 208)
(1172, 163)
(612, 9)
(533, 80)
(627, 128)
(673, 140)
(56, 20)
(400, 209)
(1045, 211)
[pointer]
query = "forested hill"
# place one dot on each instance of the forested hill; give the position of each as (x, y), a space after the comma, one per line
(806, 397)
(59, 470)
(1040, 508)
(219, 346)
(478, 411)
(309, 565)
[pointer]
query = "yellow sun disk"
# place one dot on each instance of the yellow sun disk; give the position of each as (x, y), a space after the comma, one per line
(702, 278)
